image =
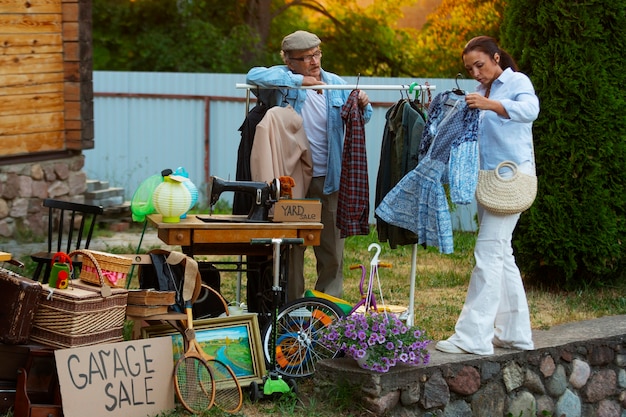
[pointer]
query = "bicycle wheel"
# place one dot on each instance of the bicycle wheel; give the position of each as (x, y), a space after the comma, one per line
(298, 323)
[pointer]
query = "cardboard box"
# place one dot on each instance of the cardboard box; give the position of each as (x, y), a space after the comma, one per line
(293, 210)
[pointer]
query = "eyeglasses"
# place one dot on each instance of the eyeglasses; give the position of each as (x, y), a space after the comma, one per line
(308, 58)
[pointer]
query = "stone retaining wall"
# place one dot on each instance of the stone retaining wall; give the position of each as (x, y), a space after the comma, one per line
(572, 375)
(24, 186)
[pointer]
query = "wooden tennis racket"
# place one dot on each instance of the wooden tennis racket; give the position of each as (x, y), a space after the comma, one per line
(193, 379)
(228, 394)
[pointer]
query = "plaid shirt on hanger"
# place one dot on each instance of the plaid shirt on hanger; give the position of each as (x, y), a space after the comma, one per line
(353, 199)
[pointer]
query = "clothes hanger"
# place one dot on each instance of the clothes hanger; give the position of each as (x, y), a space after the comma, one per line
(403, 88)
(430, 96)
(457, 90)
(412, 87)
(419, 94)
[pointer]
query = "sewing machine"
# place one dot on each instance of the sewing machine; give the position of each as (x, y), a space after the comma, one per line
(264, 194)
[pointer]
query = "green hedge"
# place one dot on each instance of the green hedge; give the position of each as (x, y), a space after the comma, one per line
(574, 53)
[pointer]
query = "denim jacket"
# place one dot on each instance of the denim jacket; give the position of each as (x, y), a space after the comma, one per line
(282, 76)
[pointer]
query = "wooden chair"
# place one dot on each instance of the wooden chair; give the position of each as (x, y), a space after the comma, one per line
(63, 236)
(37, 392)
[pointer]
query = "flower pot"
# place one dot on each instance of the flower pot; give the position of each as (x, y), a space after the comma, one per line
(361, 361)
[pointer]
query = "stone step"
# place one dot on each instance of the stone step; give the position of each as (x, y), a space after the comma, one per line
(104, 193)
(106, 202)
(96, 185)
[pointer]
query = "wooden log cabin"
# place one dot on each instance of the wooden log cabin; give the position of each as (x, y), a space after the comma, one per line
(46, 107)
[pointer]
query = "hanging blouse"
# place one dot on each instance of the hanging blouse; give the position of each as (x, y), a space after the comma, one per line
(281, 148)
(418, 202)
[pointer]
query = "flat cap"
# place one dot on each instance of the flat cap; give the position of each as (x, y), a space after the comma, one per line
(300, 40)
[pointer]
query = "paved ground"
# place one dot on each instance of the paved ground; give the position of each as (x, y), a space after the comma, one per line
(117, 239)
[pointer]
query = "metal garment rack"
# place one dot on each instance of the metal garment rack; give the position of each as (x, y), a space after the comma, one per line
(386, 87)
(401, 87)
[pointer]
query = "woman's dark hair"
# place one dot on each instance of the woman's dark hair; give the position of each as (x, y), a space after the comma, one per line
(489, 46)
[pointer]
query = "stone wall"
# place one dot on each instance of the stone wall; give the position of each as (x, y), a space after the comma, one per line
(580, 375)
(24, 186)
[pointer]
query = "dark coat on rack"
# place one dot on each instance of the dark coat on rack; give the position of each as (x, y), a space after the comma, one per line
(242, 202)
(399, 150)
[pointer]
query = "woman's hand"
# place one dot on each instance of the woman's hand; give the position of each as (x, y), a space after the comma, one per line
(476, 101)
(480, 102)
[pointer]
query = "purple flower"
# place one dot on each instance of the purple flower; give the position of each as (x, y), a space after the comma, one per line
(383, 337)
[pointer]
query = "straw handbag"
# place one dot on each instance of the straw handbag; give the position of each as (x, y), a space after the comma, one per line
(114, 268)
(506, 195)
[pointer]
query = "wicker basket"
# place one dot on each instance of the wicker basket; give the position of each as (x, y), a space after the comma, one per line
(80, 315)
(114, 268)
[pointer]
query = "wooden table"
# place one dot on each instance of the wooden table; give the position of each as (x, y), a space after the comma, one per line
(230, 234)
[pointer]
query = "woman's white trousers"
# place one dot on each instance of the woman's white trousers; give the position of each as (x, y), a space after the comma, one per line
(495, 309)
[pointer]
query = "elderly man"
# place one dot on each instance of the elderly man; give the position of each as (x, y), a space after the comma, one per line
(324, 127)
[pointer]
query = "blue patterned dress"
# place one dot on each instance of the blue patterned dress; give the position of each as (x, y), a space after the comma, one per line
(448, 155)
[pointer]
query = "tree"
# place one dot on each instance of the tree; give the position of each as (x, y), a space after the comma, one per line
(439, 44)
(366, 39)
(217, 36)
(357, 38)
(170, 35)
(573, 52)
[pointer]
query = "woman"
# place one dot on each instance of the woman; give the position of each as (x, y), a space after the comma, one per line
(495, 312)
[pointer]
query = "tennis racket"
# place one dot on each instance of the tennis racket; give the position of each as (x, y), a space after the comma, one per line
(193, 379)
(228, 394)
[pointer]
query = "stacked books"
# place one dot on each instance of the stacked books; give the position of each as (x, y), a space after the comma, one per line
(150, 302)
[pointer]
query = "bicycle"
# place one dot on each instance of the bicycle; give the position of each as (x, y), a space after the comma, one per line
(298, 324)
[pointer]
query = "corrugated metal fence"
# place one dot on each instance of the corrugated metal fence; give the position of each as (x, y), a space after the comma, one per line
(145, 122)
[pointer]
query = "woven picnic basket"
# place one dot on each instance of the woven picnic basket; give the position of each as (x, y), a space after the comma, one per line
(80, 315)
(114, 268)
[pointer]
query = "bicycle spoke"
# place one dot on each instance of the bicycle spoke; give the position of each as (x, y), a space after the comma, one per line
(297, 348)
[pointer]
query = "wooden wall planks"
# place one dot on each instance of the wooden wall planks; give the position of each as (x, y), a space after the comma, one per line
(46, 92)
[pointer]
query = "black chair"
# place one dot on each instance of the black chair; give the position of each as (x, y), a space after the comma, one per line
(61, 230)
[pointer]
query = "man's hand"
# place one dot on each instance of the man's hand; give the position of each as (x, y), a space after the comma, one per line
(363, 99)
(308, 80)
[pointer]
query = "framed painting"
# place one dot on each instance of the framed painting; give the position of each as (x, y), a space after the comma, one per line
(234, 340)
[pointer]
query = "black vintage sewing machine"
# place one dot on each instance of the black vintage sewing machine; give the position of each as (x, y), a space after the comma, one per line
(264, 195)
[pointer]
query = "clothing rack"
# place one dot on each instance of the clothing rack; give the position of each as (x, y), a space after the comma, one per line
(387, 87)
(349, 87)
